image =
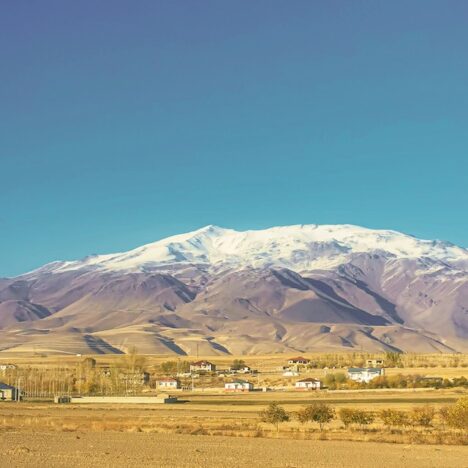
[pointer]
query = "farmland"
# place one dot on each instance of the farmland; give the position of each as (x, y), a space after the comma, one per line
(113, 449)
(207, 417)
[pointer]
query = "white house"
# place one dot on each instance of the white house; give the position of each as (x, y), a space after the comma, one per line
(298, 360)
(364, 374)
(168, 383)
(204, 366)
(238, 386)
(308, 384)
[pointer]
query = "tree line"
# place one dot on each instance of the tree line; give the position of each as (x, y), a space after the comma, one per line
(321, 413)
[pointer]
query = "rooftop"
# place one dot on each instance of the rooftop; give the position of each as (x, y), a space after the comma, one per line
(364, 369)
(4, 386)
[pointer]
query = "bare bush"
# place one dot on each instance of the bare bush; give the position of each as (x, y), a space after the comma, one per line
(392, 418)
(423, 415)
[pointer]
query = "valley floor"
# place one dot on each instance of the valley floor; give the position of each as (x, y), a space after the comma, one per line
(114, 449)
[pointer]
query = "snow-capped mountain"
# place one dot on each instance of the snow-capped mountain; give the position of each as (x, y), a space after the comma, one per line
(300, 288)
(302, 248)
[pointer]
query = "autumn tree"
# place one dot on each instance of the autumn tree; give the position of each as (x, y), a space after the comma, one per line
(457, 414)
(393, 359)
(274, 414)
(174, 367)
(132, 361)
(89, 363)
(333, 380)
(318, 412)
(354, 416)
(237, 364)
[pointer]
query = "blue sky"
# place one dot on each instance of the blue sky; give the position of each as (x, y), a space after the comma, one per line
(123, 122)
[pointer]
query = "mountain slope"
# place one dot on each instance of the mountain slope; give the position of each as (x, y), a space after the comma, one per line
(304, 287)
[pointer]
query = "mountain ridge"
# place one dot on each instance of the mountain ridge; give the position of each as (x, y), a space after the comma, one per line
(195, 246)
(287, 288)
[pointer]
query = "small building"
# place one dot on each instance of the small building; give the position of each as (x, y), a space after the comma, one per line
(299, 361)
(290, 373)
(168, 383)
(7, 392)
(365, 374)
(202, 366)
(308, 384)
(242, 370)
(238, 386)
(374, 363)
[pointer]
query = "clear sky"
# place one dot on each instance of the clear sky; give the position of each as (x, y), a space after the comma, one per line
(122, 122)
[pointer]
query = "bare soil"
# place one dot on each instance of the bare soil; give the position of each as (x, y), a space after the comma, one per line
(113, 449)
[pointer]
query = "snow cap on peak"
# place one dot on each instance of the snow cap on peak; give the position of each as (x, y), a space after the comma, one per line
(302, 247)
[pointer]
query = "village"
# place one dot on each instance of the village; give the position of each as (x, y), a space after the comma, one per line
(397, 398)
(134, 377)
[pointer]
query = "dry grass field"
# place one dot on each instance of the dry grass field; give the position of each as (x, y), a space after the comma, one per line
(238, 415)
(113, 449)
